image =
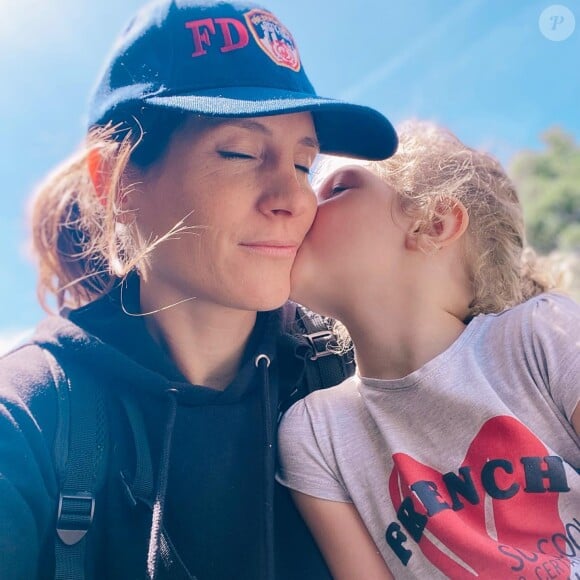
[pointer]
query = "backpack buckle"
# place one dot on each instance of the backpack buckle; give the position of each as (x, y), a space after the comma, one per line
(74, 517)
(318, 341)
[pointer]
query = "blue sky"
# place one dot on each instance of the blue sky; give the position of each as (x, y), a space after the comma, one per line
(481, 67)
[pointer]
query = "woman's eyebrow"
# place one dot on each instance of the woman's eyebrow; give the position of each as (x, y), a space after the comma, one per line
(310, 142)
(250, 125)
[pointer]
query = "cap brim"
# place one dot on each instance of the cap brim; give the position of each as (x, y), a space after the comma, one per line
(342, 128)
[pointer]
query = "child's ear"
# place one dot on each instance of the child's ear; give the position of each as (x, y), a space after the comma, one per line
(446, 227)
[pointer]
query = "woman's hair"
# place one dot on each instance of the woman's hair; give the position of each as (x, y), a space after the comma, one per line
(430, 171)
(80, 244)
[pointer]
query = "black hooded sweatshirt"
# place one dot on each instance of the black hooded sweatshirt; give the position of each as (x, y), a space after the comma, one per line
(218, 449)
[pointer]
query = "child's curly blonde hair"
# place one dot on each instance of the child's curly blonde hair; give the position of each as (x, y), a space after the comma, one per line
(431, 169)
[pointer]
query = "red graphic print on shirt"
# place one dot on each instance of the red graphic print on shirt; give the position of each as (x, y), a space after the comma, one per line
(495, 517)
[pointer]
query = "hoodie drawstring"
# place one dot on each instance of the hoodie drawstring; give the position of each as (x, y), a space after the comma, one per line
(153, 554)
(262, 362)
(139, 488)
(157, 540)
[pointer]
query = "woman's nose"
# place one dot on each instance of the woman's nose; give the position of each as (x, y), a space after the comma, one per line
(289, 193)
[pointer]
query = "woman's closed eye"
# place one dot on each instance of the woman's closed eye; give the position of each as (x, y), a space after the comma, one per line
(303, 168)
(235, 155)
(229, 154)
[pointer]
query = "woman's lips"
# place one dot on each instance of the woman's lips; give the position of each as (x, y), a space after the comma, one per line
(272, 248)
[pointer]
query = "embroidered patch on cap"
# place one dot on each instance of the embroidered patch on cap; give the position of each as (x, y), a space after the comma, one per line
(273, 38)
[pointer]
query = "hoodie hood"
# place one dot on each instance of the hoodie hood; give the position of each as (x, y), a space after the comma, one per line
(119, 348)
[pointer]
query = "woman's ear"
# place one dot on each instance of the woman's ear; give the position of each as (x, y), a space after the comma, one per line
(100, 177)
(448, 224)
(101, 173)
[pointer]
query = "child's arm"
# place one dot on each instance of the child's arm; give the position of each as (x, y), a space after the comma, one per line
(342, 538)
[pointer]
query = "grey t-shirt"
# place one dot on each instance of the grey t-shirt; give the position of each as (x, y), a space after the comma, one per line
(467, 467)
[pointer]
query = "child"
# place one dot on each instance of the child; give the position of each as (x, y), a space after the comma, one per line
(454, 450)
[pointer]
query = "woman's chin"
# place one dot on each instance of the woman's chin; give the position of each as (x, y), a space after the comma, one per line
(269, 301)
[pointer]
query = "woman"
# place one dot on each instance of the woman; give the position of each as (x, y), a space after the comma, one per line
(168, 242)
(454, 451)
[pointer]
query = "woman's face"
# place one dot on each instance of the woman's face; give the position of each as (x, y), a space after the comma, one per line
(356, 242)
(242, 188)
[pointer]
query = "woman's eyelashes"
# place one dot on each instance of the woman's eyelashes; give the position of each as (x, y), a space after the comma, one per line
(228, 154)
(235, 155)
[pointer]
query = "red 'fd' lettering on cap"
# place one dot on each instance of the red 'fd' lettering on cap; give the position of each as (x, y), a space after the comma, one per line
(273, 38)
(201, 30)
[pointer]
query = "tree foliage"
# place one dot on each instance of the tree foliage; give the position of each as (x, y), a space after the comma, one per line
(548, 183)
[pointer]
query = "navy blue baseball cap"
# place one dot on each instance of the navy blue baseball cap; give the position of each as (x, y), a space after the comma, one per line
(227, 59)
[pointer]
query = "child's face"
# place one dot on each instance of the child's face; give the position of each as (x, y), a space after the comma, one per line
(357, 240)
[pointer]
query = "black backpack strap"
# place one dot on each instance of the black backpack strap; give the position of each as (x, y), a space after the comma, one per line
(325, 366)
(81, 459)
(313, 342)
(81, 453)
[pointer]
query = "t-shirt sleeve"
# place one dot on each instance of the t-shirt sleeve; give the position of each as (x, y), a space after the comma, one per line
(302, 465)
(556, 340)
